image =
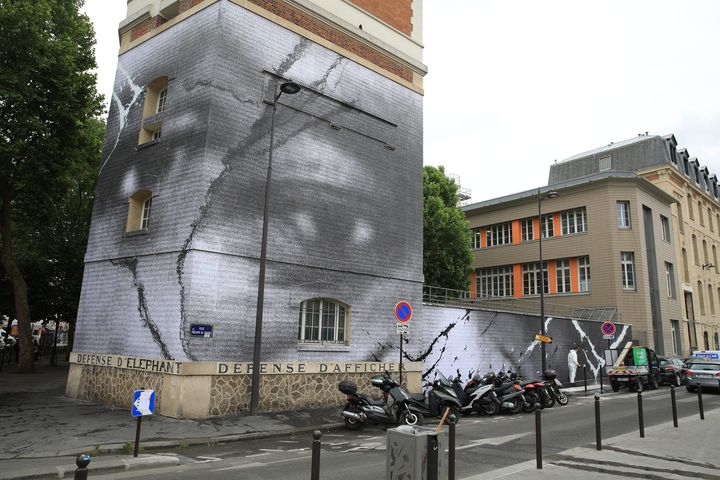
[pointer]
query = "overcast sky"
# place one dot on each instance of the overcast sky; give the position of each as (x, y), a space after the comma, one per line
(515, 85)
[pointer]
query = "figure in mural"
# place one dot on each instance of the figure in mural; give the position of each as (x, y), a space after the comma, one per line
(573, 362)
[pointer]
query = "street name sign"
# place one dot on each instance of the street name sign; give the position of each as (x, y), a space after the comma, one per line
(204, 331)
(143, 403)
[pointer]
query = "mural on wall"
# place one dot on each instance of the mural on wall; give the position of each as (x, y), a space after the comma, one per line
(479, 341)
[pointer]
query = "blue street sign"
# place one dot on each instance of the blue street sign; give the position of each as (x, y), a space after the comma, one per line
(205, 331)
(143, 403)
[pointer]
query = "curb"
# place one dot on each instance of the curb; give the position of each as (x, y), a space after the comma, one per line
(176, 443)
(99, 466)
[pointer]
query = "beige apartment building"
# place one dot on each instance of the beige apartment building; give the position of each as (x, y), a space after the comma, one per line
(695, 218)
(607, 246)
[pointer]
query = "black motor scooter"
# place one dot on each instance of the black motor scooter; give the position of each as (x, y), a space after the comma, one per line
(394, 409)
(510, 393)
(440, 396)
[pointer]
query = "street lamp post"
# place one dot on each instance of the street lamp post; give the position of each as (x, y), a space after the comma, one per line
(541, 197)
(290, 88)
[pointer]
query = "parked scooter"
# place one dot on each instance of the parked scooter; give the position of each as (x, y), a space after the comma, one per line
(535, 393)
(476, 397)
(440, 396)
(510, 393)
(553, 386)
(394, 409)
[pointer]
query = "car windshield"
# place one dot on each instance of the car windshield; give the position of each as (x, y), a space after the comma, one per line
(706, 366)
(663, 362)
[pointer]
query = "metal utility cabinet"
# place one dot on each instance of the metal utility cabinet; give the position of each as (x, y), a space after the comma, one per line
(416, 453)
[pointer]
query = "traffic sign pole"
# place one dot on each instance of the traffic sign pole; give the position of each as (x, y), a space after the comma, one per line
(137, 436)
(401, 357)
(403, 313)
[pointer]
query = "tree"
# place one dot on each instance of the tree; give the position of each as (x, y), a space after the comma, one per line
(446, 233)
(48, 110)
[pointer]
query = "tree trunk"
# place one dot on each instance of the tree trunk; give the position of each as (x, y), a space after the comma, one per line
(22, 308)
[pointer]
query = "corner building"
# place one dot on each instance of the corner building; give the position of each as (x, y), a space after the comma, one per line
(175, 239)
(695, 219)
(606, 247)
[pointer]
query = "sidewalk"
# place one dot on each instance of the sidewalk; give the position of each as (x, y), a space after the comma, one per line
(687, 452)
(40, 424)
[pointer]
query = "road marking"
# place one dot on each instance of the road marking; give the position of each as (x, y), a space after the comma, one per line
(492, 441)
(209, 460)
(260, 464)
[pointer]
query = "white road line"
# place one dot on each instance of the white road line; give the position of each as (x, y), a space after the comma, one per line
(259, 464)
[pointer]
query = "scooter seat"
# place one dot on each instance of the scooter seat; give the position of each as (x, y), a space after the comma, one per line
(419, 397)
(371, 400)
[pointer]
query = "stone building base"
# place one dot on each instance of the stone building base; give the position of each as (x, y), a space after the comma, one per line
(213, 389)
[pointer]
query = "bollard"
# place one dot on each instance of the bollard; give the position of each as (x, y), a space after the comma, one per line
(700, 404)
(598, 439)
(82, 461)
(315, 469)
(641, 420)
(585, 378)
(451, 451)
(674, 405)
(538, 439)
(602, 390)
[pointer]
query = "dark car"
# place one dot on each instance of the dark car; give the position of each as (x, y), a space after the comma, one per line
(704, 373)
(672, 370)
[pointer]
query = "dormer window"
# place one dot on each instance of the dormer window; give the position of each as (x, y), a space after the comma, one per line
(604, 164)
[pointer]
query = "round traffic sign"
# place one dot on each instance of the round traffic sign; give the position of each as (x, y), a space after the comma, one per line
(608, 328)
(403, 312)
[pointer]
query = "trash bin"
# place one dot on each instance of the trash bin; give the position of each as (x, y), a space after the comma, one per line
(416, 453)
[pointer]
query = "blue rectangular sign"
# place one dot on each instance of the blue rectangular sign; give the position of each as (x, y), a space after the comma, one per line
(205, 331)
(143, 403)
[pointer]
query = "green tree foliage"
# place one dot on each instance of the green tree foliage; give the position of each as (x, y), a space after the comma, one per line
(446, 233)
(48, 129)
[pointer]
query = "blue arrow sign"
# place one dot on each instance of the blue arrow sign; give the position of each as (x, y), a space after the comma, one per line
(143, 403)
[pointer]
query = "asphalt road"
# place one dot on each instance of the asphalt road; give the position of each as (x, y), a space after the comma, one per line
(483, 444)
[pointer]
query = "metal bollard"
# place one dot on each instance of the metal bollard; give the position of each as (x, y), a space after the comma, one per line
(538, 439)
(451, 451)
(700, 403)
(585, 378)
(82, 461)
(674, 405)
(315, 469)
(641, 420)
(598, 437)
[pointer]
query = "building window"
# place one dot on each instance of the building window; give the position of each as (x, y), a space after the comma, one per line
(690, 208)
(711, 299)
(155, 102)
(706, 340)
(705, 253)
(547, 230)
(531, 278)
(499, 234)
(139, 209)
(495, 281)
(695, 250)
(675, 331)
(670, 279)
(323, 321)
(562, 275)
(623, 214)
(686, 271)
(701, 298)
(604, 164)
(717, 341)
(573, 221)
(701, 217)
(161, 100)
(475, 237)
(715, 260)
(681, 222)
(710, 220)
(627, 266)
(528, 229)
(584, 273)
(665, 227)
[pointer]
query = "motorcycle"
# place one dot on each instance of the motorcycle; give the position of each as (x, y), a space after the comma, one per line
(536, 393)
(510, 393)
(440, 395)
(554, 385)
(393, 409)
(476, 397)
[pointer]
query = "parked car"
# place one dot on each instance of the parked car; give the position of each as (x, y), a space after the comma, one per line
(672, 370)
(705, 373)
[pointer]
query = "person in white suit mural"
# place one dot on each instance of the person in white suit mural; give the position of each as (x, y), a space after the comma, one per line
(573, 362)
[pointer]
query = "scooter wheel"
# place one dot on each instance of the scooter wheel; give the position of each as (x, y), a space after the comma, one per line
(517, 406)
(562, 398)
(411, 418)
(487, 408)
